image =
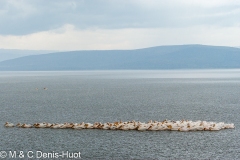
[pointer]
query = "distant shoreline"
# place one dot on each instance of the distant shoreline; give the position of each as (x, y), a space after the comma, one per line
(178, 57)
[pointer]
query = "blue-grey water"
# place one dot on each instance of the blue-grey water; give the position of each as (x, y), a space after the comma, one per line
(107, 96)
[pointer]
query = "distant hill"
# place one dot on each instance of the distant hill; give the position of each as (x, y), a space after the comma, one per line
(162, 57)
(6, 54)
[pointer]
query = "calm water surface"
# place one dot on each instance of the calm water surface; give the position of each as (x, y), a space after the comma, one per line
(107, 96)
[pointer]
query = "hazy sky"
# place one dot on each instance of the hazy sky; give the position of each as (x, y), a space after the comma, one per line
(117, 24)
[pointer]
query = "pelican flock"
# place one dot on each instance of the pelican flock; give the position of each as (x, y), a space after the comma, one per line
(182, 125)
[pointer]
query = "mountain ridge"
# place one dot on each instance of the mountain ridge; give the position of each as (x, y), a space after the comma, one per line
(7, 54)
(159, 57)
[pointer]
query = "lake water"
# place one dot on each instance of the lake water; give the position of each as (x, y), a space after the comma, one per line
(108, 96)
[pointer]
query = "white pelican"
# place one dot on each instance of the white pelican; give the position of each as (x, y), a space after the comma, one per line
(76, 126)
(48, 125)
(113, 126)
(183, 125)
(133, 125)
(95, 125)
(82, 125)
(105, 126)
(88, 125)
(79, 126)
(125, 127)
(26, 126)
(183, 129)
(143, 127)
(154, 127)
(19, 125)
(40, 125)
(199, 128)
(8, 124)
(64, 125)
(231, 125)
(175, 127)
(55, 125)
(163, 127)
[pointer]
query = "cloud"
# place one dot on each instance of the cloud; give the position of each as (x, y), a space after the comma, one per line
(22, 17)
(116, 24)
(69, 37)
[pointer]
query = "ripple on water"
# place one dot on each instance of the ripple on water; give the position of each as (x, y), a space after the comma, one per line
(78, 98)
